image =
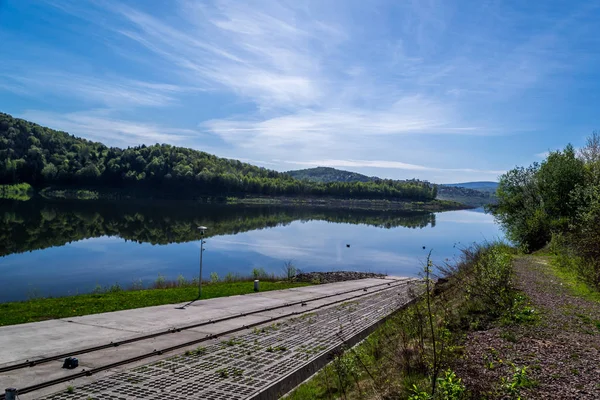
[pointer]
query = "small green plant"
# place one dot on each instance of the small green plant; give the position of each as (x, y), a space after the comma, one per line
(214, 277)
(450, 387)
(200, 350)
(518, 380)
(115, 288)
(259, 273)
(271, 349)
(418, 394)
(137, 285)
(181, 281)
(509, 336)
(519, 312)
(223, 373)
(290, 270)
(70, 389)
(160, 282)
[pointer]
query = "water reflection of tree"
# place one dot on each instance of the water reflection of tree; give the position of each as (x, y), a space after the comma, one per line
(33, 225)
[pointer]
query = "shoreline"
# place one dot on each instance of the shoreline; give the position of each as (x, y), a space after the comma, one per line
(91, 194)
(117, 298)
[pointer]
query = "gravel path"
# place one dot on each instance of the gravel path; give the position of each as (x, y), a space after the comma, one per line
(562, 351)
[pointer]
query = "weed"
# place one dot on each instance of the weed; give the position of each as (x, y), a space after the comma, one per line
(223, 373)
(259, 273)
(160, 282)
(450, 387)
(519, 380)
(70, 389)
(289, 270)
(115, 288)
(519, 312)
(509, 336)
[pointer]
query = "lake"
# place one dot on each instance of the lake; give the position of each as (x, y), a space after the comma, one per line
(65, 247)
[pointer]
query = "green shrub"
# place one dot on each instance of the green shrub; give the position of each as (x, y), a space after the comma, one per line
(259, 273)
(450, 387)
(491, 280)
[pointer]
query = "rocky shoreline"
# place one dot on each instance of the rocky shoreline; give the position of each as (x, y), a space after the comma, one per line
(337, 276)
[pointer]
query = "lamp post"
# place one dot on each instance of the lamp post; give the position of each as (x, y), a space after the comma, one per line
(202, 230)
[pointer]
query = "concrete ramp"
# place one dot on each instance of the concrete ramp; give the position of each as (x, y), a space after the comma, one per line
(259, 347)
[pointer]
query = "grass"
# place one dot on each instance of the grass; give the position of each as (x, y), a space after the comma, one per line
(571, 280)
(409, 357)
(63, 307)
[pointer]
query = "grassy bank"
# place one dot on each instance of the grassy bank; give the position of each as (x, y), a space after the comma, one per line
(115, 298)
(571, 270)
(415, 353)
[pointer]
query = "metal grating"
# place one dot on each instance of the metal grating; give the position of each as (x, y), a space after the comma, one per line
(248, 363)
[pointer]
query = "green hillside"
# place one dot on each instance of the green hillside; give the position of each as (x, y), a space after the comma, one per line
(327, 174)
(473, 194)
(43, 157)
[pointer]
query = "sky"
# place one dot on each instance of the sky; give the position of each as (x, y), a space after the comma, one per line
(442, 90)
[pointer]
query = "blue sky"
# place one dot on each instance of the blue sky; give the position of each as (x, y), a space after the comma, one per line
(435, 89)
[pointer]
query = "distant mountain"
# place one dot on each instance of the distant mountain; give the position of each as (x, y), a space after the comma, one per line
(474, 194)
(483, 186)
(327, 174)
(471, 185)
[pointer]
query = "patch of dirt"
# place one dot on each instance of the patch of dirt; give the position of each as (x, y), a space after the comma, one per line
(562, 351)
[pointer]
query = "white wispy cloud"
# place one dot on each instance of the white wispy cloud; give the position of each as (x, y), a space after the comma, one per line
(315, 82)
(101, 125)
(107, 92)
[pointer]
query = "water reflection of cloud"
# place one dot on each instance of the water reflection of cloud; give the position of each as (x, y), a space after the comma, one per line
(464, 217)
(99, 244)
(321, 247)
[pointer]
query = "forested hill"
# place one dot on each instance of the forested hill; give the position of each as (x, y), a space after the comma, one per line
(474, 194)
(327, 174)
(41, 157)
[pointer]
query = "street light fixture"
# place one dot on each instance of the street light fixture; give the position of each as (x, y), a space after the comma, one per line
(202, 230)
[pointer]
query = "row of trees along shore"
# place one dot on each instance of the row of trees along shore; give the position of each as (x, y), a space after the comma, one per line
(40, 156)
(557, 203)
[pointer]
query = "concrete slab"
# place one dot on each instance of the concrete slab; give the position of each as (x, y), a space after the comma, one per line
(259, 363)
(43, 339)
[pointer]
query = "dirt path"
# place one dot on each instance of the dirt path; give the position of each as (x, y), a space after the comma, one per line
(561, 351)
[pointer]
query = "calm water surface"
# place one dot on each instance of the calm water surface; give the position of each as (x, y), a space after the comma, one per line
(56, 248)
